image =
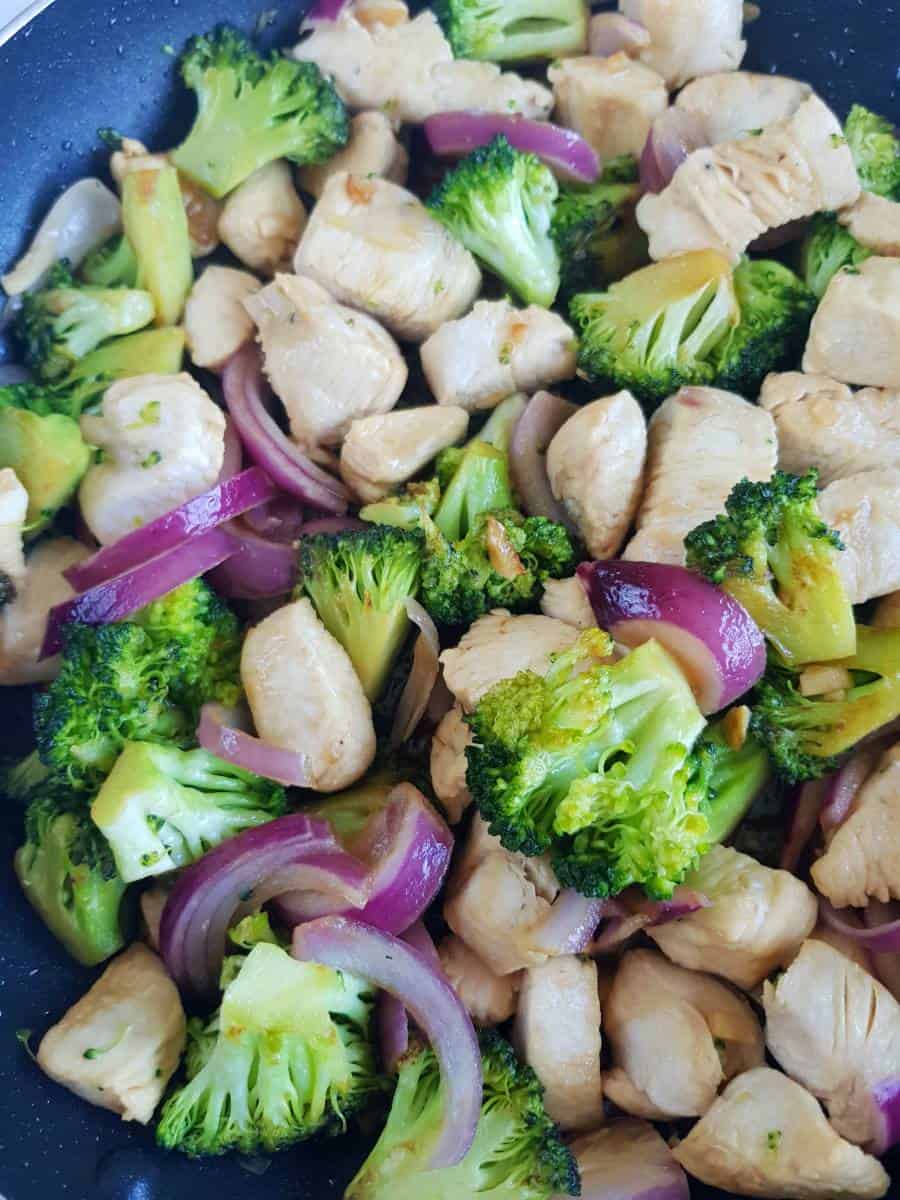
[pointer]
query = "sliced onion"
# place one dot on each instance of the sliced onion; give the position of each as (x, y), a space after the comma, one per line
(220, 735)
(886, 1116)
(570, 925)
(681, 903)
(563, 150)
(293, 471)
(612, 32)
(259, 568)
(12, 373)
(542, 419)
(117, 598)
(714, 640)
(632, 911)
(393, 1023)
(233, 456)
(323, 11)
(389, 963)
(674, 135)
(422, 678)
(844, 785)
(281, 520)
(885, 966)
(879, 939)
(805, 816)
(628, 1160)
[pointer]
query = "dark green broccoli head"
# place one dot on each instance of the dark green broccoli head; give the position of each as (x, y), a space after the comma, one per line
(111, 265)
(730, 779)
(252, 110)
(595, 230)
(513, 30)
(826, 249)
(875, 148)
(499, 203)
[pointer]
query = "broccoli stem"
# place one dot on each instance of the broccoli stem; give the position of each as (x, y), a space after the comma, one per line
(156, 226)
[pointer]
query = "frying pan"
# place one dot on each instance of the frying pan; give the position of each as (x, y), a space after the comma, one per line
(84, 64)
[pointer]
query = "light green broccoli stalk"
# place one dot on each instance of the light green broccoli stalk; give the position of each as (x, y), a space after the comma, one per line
(111, 265)
(156, 227)
(513, 30)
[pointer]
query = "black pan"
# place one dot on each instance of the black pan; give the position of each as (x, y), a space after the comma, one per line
(85, 64)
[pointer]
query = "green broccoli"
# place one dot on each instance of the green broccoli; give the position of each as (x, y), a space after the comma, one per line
(731, 779)
(775, 555)
(826, 249)
(513, 30)
(517, 1153)
(288, 1055)
(406, 509)
(350, 812)
(252, 110)
(156, 226)
(595, 230)
(111, 265)
(499, 203)
(875, 148)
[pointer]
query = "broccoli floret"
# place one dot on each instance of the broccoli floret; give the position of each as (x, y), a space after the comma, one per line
(772, 551)
(156, 225)
(731, 779)
(513, 30)
(875, 148)
(64, 320)
(252, 110)
(499, 203)
(657, 330)
(517, 1153)
(288, 1055)
(595, 230)
(827, 248)
(111, 265)
(359, 583)
(473, 481)
(407, 508)
(806, 734)
(69, 877)
(350, 812)
(593, 764)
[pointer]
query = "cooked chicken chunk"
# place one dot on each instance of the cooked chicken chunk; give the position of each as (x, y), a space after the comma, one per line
(23, 622)
(701, 442)
(488, 998)
(693, 37)
(495, 350)
(757, 919)
(328, 364)
(611, 102)
(627, 1158)
(557, 1032)
(875, 222)
(566, 600)
(448, 764)
(595, 464)
(263, 219)
(733, 103)
(120, 1044)
(855, 333)
(766, 1136)
(163, 442)
(305, 696)
(612, 29)
(724, 197)
(887, 614)
(836, 1030)
(380, 453)
(216, 323)
(13, 510)
(373, 151)
(375, 247)
(865, 510)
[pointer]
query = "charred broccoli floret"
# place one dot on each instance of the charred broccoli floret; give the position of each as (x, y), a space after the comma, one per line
(826, 249)
(111, 265)
(513, 30)
(875, 148)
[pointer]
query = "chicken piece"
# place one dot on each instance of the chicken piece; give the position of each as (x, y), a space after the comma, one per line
(263, 219)
(690, 38)
(734, 103)
(757, 919)
(627, 1159)
(612, 29)
(557, 1032)
(724, 197)
(488, 998)
(821, 423)
(595, 464)
(153, 901)
(855, 332)
(376, 247)
(498, 646)
(611, 102)
(305, 696)
(119, 1045)
(380, 453)
(566, 600)
(887, 613)
(163, 442)
(875, 222)
(676, 1036)
(865, 510)
(766, 1136)
(216, 322)
(13, 510)
(23, 621)
(448, 764)
(495, 350)
(373, 13)
(701, 442)
(329, 365)
(373, 151)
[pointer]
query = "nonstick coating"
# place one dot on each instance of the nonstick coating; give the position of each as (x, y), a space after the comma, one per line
(86, 64)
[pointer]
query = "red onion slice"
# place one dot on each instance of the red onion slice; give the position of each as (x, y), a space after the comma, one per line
(218, 734)
(233, 456)
(805, 816)
(258, 569)
(879, 939)
(570, 925)
(393, 1023)
(612, 32)
(844, 785)
(714, 640)
(563, 150)
(324, 11)
(886, 1116)
(674, 135)
(542, 419)
(422, 678)
(281, 520)
(632, 911)
(681, 903)
(426, 995)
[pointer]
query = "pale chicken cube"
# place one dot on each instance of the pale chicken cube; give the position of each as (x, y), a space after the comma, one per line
(488, 998)
(448, 764)
(676, 1036)
(380, 453)
(611, 102)
(328, 364)
(374, 150)
(757, 919)
(376, 247)
(163, 442)
(306, 697)
(865, 510)
(690, 38)
(862, 857)
(823, 424)
(701, 442)
(595, 464)
(724, 197)
(496, 350)
(263, 219)
(734, 103)
(216, 322)
(566, 600)
(13, 510)
(875, 223)
(23, 621)
(855, 332)
(628, 1159)
(119, 1045)
(557, 1032)
(766, 1136)
(887, 613)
